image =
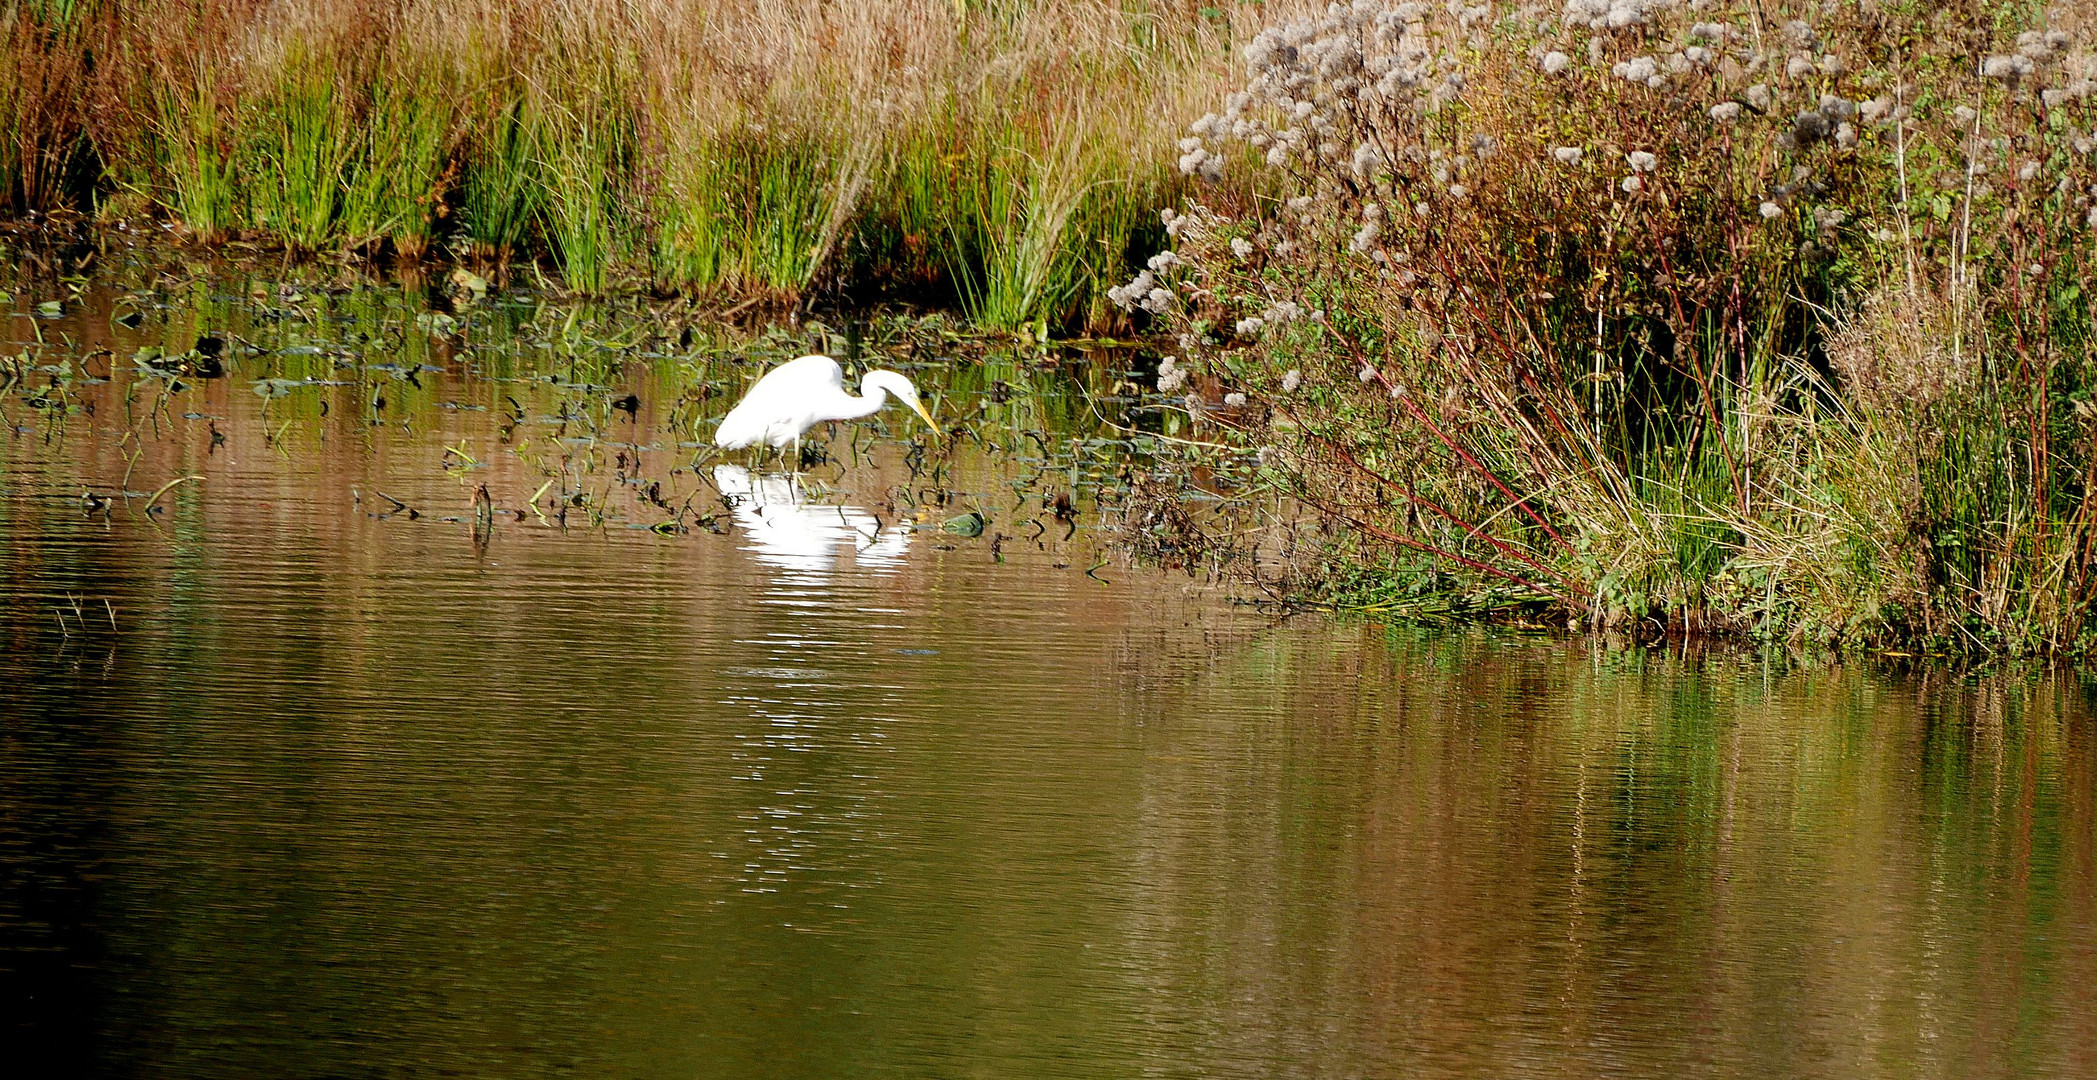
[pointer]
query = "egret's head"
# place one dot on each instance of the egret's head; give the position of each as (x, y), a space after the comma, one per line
(896, 383)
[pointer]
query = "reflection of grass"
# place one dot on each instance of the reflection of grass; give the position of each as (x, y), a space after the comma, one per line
(609, 400)
(876, 148)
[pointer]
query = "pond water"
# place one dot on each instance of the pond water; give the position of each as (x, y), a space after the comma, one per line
(656, 764)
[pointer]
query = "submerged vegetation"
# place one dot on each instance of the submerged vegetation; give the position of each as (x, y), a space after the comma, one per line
(140, 390)
(1001, 156)
(1769, 318)
(1667, 316)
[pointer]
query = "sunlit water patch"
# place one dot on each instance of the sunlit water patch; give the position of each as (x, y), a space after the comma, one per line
(653, 763)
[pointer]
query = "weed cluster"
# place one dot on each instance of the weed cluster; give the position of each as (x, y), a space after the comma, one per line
(1767, 317)
(1003, 155)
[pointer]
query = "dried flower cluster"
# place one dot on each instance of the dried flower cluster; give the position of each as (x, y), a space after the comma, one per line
(1548, 244)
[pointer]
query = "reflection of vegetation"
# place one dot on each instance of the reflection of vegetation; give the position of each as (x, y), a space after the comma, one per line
(1612, 842)
(595, 412)
(1239, 847)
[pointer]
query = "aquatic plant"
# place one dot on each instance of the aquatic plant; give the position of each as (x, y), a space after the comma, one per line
(192, 160)
(41, 107)
(581, 155)
(393, 188)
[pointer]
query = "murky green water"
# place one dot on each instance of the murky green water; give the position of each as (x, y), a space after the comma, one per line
(294, 782)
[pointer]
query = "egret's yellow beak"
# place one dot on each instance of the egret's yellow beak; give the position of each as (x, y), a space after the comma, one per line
(921, 411)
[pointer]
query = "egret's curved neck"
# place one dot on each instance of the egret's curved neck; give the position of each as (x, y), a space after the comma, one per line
(872, 395)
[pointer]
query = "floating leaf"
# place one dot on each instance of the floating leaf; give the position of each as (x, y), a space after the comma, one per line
(470, 281)
(50, 309)
(969, 524)
(437, 323)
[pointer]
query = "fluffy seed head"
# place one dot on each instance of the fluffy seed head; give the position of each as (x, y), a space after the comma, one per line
(2008, 68)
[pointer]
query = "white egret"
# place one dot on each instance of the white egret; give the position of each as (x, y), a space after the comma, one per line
(800, 394)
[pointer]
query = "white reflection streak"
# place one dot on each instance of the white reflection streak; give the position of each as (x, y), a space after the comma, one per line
(787, 532)
(801, 709)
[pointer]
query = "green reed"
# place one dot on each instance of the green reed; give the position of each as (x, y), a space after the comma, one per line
(750, 212)
(298, 147)
(391, 188)
(502, 192)
(196, 173)
(357, 129)
(581, 155)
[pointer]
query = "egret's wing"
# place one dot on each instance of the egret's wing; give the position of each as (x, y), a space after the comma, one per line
(783, 403)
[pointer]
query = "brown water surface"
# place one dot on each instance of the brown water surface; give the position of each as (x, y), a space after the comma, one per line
(294, 782)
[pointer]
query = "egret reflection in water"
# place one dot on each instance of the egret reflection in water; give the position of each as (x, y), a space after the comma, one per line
(782, 528)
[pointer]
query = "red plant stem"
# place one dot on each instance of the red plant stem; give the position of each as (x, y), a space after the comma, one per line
(1420, 415)
(1475, 532)
(1422, 546)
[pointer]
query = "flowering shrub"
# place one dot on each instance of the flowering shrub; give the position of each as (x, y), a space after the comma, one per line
(1572, 275)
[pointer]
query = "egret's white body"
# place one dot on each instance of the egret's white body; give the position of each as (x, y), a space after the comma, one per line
(800, 394)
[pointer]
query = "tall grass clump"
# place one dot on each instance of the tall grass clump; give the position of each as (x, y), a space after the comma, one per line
(752, 212)
(1001, 221)
(298, 150)
(394, 188)
(43, 156)
(1765, 317)
(716, 146)
(193, 164)
(581, 153)
(500, 194)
